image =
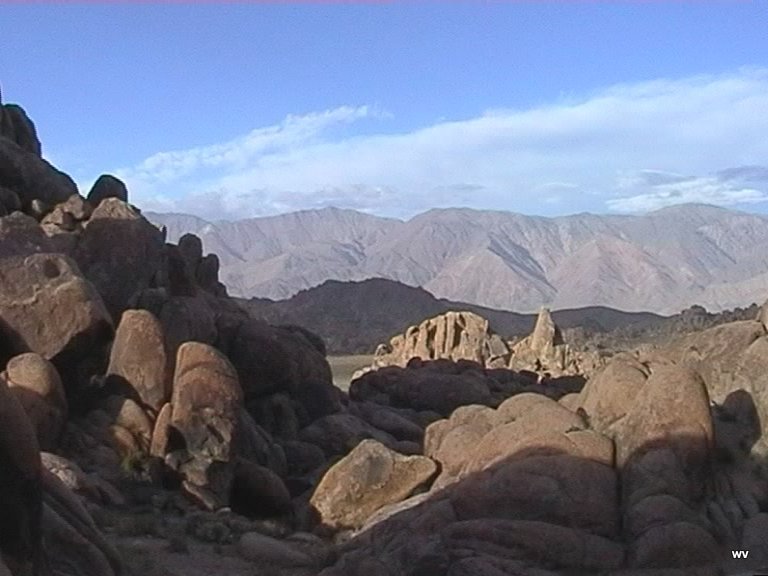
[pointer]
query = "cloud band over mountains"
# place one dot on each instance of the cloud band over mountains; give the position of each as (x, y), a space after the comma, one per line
(628, 148)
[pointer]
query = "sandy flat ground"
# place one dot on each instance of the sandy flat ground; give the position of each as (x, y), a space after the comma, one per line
(344, 366)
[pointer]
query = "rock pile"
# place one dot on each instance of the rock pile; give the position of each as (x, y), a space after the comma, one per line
(149, 425)
(465, 336)
(450, 336)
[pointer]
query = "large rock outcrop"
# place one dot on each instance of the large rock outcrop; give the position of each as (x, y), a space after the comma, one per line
(451, 336)
(205, 404)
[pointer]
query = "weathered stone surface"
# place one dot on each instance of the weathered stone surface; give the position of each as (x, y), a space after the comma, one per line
(20, 496)
(119, 252)
(31, 177)
(158, 447)
(90, 486)
(388, 420)
(610, 394)
(754, 538)
(676, 545)
(72, 543)
(257, 445)
(714, 353)
(38, 388)
(421, 389)
(186, 319)
(206, 401)
(17, 127)
(453, 335)
(9, 201)
(21, 235)
(564, 490)
(138, 359)
(276, 359)
(107, 186)
(339, 433)
(258, 492)
(368, 478)
(671, 411)
(46, 306)
(751, 375)
(278, 554)
(534, 542)
(127, 414)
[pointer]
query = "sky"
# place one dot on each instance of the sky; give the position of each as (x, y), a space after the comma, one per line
(233, 110)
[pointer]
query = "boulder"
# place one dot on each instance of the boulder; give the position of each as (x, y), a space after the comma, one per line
(671, 411)
(31, 177)
(72, 543)
(206, 401)
(21, 235)
(16, 126)
(138, 360)
(278, 554)
(258, 492)
(367, 479)
(714, 353)
(421, 389)
(119, 252)
(107, 186)
(38, 388)
(47, 307)
(273, 359)
(21, 494)
(610, 394)
(535, 542)
(339, 433)
(751, 376)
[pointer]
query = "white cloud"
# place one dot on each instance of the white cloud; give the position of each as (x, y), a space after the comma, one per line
(628, 147)
(707, 190)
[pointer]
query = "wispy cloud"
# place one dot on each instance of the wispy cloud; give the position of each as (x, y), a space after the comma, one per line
(630, 148)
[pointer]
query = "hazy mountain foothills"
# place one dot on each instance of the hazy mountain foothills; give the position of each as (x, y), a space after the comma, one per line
(336, 311)
(353, 317)
(151, 426)
(660, 262)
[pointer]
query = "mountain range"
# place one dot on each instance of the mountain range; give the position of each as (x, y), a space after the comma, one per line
(660, 262)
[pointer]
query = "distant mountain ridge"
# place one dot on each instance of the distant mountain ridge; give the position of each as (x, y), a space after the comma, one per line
(353, 317)
(662, 262)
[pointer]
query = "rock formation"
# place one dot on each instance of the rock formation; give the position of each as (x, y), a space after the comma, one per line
(452, 336)
(174, 425)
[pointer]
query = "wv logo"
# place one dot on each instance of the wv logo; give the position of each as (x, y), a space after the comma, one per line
(744, 554)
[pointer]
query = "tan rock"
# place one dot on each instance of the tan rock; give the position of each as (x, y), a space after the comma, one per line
(453, 336)
(368, 478)
(671, 410)
(609, 395)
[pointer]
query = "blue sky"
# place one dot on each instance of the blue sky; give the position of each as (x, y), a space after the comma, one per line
(233, 110)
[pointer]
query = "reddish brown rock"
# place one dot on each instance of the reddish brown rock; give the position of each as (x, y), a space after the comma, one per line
(206, 401)
(119, 252)
(48, 307)
(20, 497)
(38, 388)
(138, 359)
